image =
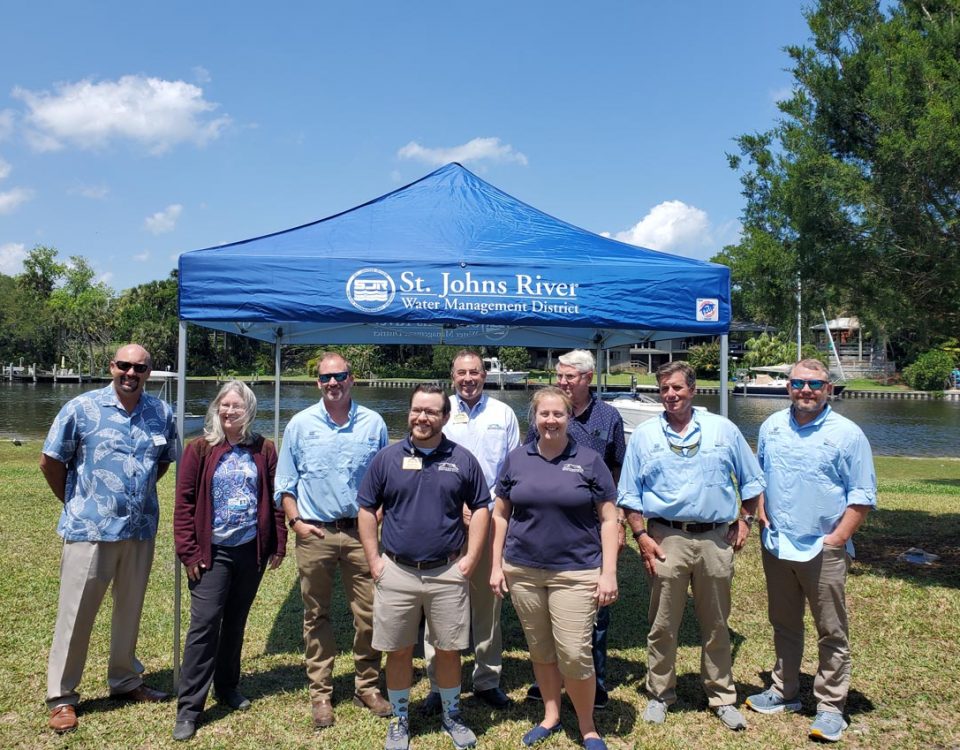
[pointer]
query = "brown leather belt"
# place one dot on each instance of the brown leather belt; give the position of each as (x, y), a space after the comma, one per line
(437, 562)
(340, 524)
(691, 527)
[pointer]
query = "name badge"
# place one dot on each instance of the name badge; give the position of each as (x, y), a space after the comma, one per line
(159, 440)
(412, 463)
(460, 418)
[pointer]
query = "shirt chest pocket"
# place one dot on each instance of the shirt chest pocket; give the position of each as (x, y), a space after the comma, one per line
(667, 476)
(716, 466)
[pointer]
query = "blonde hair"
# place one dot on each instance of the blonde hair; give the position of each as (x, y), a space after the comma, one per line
(212, 428)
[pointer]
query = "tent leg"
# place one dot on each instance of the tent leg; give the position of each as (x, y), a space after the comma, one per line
(276, 393)
(181, 411)
(724, 354)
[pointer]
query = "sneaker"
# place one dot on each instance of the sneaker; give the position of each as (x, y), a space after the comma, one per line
(459, 732)
(769, 702)
(828, 726)
(731, 717)
(398, 734)
(534, 694)
(600, 699)
(655, 712)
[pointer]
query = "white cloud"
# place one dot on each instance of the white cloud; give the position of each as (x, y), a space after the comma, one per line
(201, 74)
(6, 123)
(157, 113)
(164, 221)
(674, 226)
(12, 256)
(142, 257)
(5, 169)
(478, 149)
(105, 278)
(93, 192)
(11, 200)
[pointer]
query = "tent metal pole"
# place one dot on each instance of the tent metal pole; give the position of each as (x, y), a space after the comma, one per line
(276, 390)
(181, 411)
(724, 355)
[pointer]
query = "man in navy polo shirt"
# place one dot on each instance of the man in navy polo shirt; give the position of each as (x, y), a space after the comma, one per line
(422, 485)
(599, 426)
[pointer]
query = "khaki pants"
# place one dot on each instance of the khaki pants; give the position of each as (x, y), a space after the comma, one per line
(317, 561)
(86, 570)
(484, 626)
(703, 563)
(821, 582)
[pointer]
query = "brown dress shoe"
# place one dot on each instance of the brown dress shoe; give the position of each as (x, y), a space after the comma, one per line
(63, 719)
(322, 713)
(374, 702)
(141, 694)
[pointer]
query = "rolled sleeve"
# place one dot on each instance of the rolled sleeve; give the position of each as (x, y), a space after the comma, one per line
(862, 481)
(629, 492)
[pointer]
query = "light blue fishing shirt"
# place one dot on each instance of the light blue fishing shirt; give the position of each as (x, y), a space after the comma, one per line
(321, 463)
(701, 486)
(813, 473)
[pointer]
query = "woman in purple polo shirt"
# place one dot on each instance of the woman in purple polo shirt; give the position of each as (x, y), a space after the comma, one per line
(226, 531)
(554, 557)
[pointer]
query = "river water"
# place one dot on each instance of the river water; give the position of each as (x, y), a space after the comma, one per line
(894, 427)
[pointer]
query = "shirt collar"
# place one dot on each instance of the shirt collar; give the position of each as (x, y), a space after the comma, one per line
(477, 407)
(351, 414)
(445, 448)
(568, 452)
(668, 431)
(815, 422)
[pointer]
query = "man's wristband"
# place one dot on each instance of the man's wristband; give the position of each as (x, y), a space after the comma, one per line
(638, 534)
(294, 521)
(748, 519)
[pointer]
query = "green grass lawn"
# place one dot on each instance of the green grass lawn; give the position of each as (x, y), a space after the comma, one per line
(905, 627)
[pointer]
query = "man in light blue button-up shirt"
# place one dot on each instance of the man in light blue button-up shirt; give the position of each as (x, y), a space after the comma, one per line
(688, 474)
(820, 486)
(325, 452)
(102, 458)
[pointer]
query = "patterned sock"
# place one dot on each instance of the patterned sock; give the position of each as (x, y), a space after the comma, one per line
(400, 700)
(451, 699)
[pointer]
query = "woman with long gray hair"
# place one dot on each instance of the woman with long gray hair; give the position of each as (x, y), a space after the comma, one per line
(227, 531)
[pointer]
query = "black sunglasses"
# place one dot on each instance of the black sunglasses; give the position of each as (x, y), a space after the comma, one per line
(798, 383)
(338, 376)
(124, 366)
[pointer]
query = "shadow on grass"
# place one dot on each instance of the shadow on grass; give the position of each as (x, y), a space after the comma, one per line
(888, 533)
(857, 702)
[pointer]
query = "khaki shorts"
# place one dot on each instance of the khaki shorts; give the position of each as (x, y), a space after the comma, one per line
(557, 611)
(402, 594)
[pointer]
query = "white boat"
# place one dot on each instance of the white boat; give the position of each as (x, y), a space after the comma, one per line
(496, 374)
(192, 423)
(637, 408)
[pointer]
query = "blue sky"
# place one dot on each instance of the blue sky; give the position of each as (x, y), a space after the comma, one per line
(132, 132)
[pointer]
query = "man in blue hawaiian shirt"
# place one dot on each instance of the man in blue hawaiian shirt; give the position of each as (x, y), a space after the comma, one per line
(102, 458)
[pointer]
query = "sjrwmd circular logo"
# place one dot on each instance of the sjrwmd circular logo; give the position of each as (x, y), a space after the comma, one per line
(370, 290)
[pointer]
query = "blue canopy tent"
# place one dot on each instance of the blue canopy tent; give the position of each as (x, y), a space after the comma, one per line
(447, 259)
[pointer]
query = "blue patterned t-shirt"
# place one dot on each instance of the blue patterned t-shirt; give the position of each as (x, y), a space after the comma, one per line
(235, 498)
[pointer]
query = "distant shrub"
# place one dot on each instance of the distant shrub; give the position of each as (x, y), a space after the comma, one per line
(931, 371)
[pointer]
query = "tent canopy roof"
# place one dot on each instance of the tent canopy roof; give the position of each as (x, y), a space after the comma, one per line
(451, 259)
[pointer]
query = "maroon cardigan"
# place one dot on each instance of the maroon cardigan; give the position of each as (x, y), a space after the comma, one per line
(193, 511)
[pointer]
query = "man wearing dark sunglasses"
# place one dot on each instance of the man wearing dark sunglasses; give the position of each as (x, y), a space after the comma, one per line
(690, 486)
(325, 452)
(820, 486)
(102, 458)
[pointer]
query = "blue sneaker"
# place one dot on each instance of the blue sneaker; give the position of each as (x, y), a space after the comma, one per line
(540, 733)
(769, 702)
(828, 726)
(459, 732)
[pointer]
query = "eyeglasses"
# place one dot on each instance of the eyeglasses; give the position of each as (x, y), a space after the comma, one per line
(686, 451)
(226, 409)
(428, 413)
(124, 366)
(338, 376)
(815, 385)
(564, 378)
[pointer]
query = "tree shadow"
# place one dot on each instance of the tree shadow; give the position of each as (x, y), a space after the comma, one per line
(889, 533)
(857, 702)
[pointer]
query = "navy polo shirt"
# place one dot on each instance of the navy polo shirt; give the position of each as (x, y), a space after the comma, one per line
(423, 508)
(599, 427)
(553, 522)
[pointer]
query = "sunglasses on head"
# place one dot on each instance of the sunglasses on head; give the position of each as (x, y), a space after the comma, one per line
(798, 383)
(124, 366)
(338, 376)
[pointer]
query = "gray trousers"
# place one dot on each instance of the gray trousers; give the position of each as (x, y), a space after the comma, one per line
(86, 570)
(821, 582)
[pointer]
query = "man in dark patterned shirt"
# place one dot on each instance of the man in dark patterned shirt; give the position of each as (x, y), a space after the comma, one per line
(599, 426)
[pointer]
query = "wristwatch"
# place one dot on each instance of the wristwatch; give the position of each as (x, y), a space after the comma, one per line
(748, 519)
(293, 521)
(638, 534)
